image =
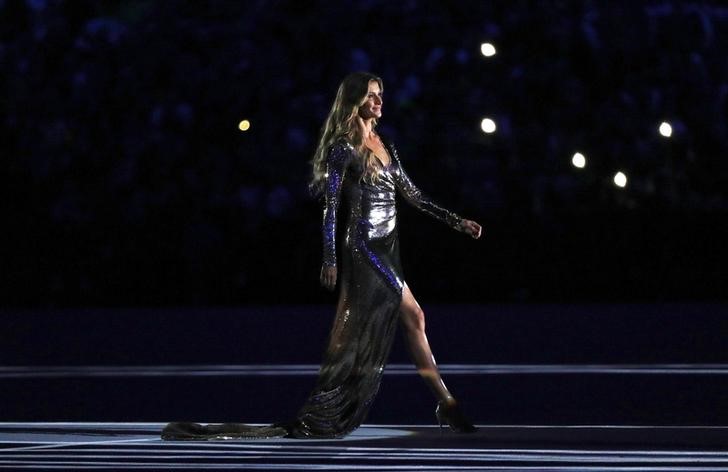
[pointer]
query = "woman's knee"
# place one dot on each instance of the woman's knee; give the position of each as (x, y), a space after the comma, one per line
(414, 319)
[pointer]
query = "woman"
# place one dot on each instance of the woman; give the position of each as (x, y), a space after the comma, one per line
(354, 166)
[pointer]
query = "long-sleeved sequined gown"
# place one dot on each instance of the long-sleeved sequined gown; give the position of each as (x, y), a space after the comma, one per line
(371, 283)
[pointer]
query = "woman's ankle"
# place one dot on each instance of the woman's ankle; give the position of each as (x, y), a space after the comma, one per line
(448, 401)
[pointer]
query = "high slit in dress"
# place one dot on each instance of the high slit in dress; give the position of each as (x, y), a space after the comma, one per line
(371, 284)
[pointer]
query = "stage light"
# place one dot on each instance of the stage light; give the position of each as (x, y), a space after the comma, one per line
(244, 125)
(665, 129)
(487, 125)
(620, 180)
(578, 160)
(487, 49)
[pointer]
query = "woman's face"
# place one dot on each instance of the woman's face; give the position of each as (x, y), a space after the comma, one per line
(372, 107)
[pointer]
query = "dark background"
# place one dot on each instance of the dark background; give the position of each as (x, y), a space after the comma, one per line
(126, 181)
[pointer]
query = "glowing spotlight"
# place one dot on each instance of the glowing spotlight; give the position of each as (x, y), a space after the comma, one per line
(487, 49)
(487, 125)
(578, 160)
(244, 125)
(620, 180)
(665, 129)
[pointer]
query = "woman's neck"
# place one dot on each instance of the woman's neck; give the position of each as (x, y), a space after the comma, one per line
(368, 128)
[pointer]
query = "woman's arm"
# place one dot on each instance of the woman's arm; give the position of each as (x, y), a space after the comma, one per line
(416, 198)
(335, 169)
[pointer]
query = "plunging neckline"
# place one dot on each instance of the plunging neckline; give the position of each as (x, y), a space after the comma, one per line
(389, 156)
(387, 165)
(386, 151)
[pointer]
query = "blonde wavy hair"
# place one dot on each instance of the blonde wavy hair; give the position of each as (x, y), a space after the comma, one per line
(341, 123)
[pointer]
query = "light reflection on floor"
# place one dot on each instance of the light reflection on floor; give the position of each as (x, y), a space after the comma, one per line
(128, 446)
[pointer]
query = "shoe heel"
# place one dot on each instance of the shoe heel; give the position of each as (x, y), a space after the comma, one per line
(452, 416)
(438, 415)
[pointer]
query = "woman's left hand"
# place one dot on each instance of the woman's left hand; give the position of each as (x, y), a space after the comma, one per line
(471, 228)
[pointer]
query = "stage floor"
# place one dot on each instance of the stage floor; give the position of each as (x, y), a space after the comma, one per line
(127, 446)
(553, 388)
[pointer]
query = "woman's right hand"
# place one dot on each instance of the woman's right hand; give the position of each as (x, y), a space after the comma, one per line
(328, 277)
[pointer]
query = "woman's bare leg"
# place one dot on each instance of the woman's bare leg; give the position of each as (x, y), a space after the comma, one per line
(413, 320)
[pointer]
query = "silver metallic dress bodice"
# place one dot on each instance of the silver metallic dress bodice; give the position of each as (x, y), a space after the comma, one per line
(372, 206)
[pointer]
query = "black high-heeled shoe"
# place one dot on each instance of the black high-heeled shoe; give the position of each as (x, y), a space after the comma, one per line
(451, 414)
